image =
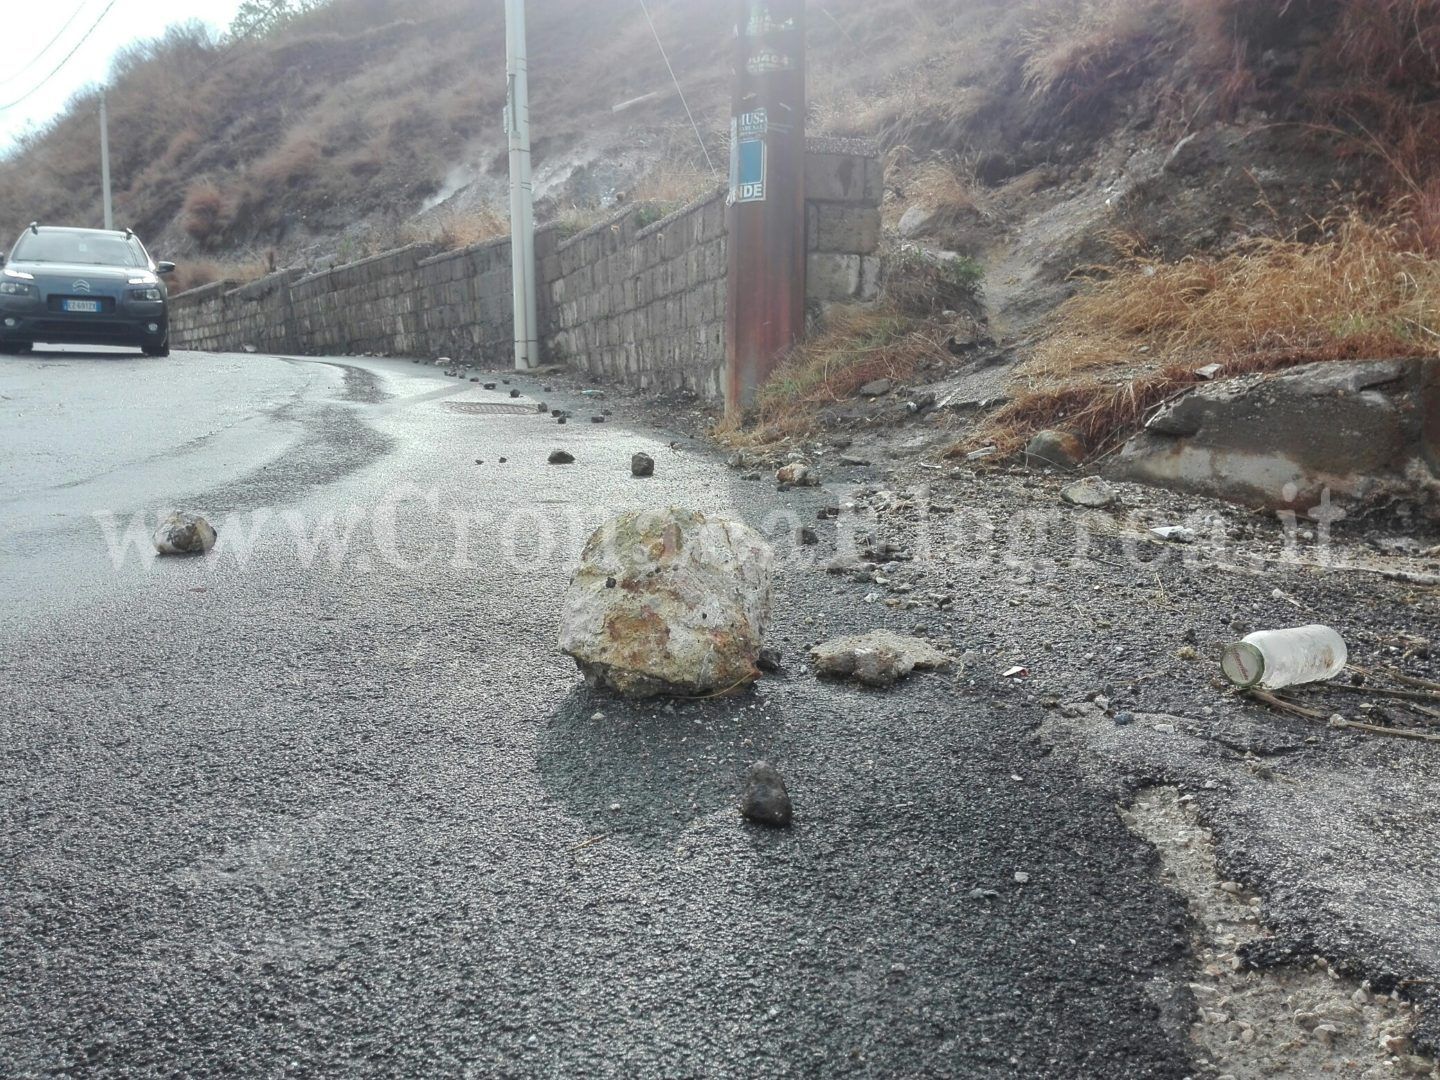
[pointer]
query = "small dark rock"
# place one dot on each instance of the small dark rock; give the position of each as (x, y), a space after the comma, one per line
(878, 388)
(514, 393)
(489, 386)
(766, 801)
(751, 476)
(1124, 719)
(808, 536)
(560, 419)
(561, 457)
(542, 408)
(597, 419)
(769, 661)
(503, 460)
(642, 465)
(474, 378)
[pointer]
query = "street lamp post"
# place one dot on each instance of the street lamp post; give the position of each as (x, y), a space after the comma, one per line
(522, 195)
(105, 162)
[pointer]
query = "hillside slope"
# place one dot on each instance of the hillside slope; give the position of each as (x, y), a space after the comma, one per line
(369, 112)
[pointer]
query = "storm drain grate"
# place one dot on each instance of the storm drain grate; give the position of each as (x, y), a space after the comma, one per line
(488, 408)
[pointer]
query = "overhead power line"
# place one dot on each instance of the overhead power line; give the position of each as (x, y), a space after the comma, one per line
(646, 8)
(49, 44)
(56, 70)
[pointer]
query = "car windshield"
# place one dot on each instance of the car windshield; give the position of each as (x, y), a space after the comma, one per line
(87, 249)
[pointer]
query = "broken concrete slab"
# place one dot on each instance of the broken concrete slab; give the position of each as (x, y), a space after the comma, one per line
(877, 658)
(184, 534)
(1352, 429)
(669, 602)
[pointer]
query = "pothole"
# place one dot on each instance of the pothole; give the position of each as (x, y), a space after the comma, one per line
(1282, 1022)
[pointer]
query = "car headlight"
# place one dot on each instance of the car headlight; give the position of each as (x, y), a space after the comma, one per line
(20, 274)
(145, 294)
(16, 288)
(144, 279)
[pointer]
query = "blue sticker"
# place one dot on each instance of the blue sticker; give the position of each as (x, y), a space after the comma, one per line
(750, 175)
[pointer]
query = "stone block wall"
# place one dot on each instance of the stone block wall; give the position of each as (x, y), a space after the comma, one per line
(644, 305)
(844, 185)
(635, 301)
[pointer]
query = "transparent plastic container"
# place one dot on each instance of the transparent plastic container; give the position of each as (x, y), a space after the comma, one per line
(1273, 659)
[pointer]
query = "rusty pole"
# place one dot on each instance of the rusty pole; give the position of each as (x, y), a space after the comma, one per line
(765, 312)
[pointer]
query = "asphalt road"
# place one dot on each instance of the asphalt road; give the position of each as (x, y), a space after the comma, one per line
(279, 811)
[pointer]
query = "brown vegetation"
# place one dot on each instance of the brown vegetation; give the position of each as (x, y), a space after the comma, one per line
(856, 346)
(1140, 329)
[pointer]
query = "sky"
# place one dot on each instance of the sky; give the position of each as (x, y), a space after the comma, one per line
(30, 25)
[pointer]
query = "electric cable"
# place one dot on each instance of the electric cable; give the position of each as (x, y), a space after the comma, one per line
(700, 138)
(38, 86)
(49, 44)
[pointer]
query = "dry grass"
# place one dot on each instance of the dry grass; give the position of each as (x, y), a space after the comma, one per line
(192, 274)
(1135, 335)
(857, 346)
(945, 186)
(455, 229)
(1073, 48)
(674, 184)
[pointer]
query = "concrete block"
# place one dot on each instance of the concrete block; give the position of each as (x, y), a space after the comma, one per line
(849, 230)
(847, 178)
(831, 276)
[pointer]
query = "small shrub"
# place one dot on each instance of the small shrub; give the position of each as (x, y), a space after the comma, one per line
(203, 213)
(856, 346)
(919, 282)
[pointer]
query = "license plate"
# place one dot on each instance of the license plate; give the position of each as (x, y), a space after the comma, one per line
(91, 306)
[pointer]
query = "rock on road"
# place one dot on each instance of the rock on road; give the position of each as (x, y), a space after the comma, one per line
(285, 811)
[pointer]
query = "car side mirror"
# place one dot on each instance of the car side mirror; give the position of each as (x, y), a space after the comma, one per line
(165, 267)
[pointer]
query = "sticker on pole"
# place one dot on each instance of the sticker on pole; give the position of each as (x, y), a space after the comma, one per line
(748, 157)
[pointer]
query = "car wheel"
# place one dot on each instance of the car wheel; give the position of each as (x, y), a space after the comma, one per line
(157, 350)
(15, 348)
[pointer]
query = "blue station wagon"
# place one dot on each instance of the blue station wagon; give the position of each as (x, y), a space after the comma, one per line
(83, 287)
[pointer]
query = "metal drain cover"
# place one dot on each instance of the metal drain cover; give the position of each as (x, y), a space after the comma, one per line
(488, 408)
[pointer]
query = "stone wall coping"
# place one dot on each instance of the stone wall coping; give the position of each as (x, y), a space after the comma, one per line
(676, 215)
(836, 144)
(428, 248)
(201, 293)
(598, 228)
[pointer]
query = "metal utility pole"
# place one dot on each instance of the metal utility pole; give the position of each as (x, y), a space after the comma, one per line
(522, 194)
(766, 311)
(105, 163)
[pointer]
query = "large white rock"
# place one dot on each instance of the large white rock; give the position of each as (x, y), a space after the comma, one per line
(669, 602)
(184, 534)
